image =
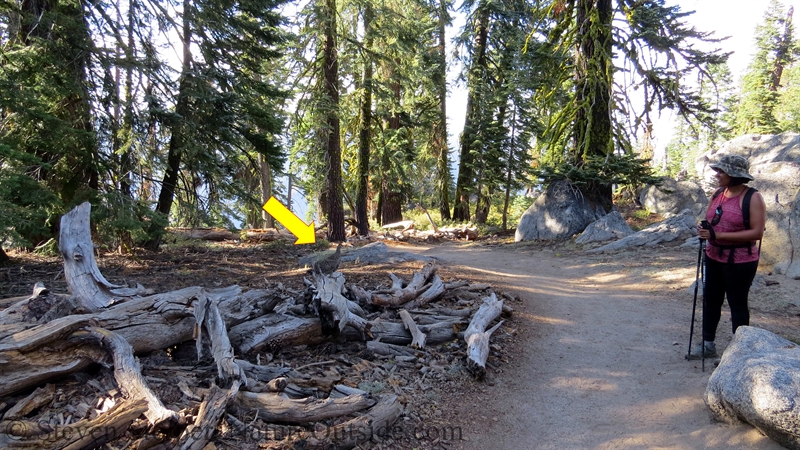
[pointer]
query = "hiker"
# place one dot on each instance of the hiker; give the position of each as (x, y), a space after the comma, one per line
(731, 256)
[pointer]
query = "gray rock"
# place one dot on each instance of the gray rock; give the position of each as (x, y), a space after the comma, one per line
(775, 164)
(758, 382)
(679, 227)
(609, 227)
(671, 197)
(559, 213)
(377, 252)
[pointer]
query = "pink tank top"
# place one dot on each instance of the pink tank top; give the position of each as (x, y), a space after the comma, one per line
(730, 220)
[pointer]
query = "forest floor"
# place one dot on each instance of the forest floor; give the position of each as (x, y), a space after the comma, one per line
(592, 358)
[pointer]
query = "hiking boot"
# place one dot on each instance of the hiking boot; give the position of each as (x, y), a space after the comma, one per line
(707, 349)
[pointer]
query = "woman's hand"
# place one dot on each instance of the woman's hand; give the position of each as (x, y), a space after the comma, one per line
(705, 233)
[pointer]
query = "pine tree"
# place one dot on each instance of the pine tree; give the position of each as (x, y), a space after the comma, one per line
(760, 85)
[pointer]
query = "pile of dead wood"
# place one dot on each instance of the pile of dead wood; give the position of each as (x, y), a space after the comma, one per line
(47, 336)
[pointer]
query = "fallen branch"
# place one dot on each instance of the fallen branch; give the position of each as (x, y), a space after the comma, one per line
(477, 337)
(417, 336)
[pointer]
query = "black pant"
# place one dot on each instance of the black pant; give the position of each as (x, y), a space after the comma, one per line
(723, 279)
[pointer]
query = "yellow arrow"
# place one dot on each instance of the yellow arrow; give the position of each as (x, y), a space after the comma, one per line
(305, 233)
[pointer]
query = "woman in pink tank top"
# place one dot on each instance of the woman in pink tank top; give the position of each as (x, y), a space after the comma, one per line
(731, 258)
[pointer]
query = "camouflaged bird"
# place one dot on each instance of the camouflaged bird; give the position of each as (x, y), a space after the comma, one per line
(329, 264)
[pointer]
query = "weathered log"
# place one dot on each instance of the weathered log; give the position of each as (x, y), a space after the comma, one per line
(80, 267)
(382, 348)
(128, 374)
(397, 297)
(395, 333)
(272, 407)
(197, 435)
(38, 398)
(83, 434)
(403, 225)
(205, 234)
(335, 311)
(208, 317)
(376, 422)
(430, 219)
(477, 337)
(261, 373)
(36, 353)
(276, 331)
(434, 290)
(417, 336)
(268, 235)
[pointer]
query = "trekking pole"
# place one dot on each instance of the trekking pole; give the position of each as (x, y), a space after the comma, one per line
(694, 303)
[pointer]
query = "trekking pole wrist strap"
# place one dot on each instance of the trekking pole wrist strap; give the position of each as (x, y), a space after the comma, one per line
(713, 235)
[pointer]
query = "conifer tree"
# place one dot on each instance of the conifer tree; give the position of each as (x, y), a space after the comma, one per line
(760, 90)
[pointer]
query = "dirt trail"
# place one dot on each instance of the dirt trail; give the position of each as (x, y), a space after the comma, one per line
(602, 361)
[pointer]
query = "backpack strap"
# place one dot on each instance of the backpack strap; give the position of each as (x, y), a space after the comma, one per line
(746, 207)
(717, 192)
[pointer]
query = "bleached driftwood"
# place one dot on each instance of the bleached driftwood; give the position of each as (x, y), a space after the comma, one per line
(433, 291)
(417, 336)
(477, 337)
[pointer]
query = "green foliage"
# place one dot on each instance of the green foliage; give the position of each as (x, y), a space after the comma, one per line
(627, 170)
(760, 96)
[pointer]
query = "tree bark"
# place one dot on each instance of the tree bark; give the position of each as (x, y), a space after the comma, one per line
(364, 133)
(440, 144)
(466, 175)
(178, 139)
(593, 81)
(333, 152)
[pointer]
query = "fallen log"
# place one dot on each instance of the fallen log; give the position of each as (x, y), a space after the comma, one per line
(272, 407)
(83, 434)
(205, 234)
(477, 337)
(128, 374)
(397, 296)
(197, 435)
(276, 331)
(395, 333)
(37, 353)
(377, 422)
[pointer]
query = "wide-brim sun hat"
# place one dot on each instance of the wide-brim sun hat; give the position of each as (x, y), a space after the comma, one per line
(735, 166)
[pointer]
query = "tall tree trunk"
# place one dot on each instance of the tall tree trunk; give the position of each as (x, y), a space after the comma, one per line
(392, 199)
(782, 52)
(440, 132)
(465, 182)
(364, 135)
(333, 153)
(594, 74)
(266, 190)
(510, 168)
(178, 139)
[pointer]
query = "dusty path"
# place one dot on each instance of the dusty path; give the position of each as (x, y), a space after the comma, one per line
(598, 367)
